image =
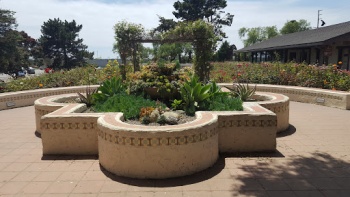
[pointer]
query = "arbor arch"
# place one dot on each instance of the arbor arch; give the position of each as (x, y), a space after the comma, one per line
(202, 36)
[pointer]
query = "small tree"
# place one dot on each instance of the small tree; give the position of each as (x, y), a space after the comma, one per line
(125, 36)
(208, 10)
(295, 26)
(60, 42)
(254, 35)
(225, 52)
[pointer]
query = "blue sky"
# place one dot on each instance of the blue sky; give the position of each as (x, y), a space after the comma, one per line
(99, 16)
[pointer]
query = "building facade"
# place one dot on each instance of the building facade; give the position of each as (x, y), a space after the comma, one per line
(325, 45)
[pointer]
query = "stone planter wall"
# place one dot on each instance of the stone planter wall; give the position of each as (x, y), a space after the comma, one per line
(157, 152)
(154, 152)
(252, 130)
(329, 98)
(66, 131)
(26, 98)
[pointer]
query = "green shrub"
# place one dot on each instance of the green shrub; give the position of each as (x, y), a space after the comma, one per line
(87, 75)
(109, 88)
(326, 77)
(130, 105)
(194, 95)
(225, 103)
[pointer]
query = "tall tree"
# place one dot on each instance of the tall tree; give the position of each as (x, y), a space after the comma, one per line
(254, 35)
(225, 52)
(209, 10)
(164, 25)
(7, 21)
(126, 36)
(295, 26)
(15, 47)
(60, 42)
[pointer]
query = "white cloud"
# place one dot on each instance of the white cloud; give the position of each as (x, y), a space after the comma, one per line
(98, 18)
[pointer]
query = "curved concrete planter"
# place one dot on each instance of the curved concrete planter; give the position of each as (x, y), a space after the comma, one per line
(157, 152)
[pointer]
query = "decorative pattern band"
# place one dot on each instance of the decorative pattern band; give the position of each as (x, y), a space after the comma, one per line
(69, 126)
(247, 123)
(277, 108)
(160, 141)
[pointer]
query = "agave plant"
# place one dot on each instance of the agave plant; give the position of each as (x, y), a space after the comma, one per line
(244, 92)
(88, 97)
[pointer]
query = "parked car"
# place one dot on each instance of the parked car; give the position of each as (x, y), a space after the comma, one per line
(21, 73)
(31, 70)
(48, 70)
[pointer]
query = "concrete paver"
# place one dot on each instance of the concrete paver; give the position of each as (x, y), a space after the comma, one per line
(313, 159)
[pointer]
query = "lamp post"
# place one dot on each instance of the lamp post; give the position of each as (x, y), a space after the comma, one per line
(318, 18)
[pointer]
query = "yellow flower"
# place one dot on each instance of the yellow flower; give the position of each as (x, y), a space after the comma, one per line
(40, 85)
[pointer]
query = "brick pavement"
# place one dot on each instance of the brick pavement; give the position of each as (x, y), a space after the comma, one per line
(313, 159)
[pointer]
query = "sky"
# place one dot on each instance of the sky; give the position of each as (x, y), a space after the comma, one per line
(99, 16)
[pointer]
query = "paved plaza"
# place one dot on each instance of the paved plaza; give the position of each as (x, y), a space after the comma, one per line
(313, 159)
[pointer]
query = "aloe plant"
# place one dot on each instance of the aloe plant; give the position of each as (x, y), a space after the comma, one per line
(244, 92)
(88, 97)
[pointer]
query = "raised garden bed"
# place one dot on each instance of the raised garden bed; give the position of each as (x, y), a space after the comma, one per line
(156, 152)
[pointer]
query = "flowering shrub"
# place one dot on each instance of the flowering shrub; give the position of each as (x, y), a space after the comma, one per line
(165, 78)
(88, 75)
(327, 77)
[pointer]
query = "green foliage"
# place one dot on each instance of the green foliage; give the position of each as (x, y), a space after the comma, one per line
(164, 25)
(211, 11)
(225, 103)
(73, 77)
(209, 97)
(243, 92)
(60, 42)
(203, 39)
(193, 95)
(15, 47)
(169, 51)
(176, 104)
(225, 52)
(126, 45)
(327, 77)
(250, 36)
(88, 97)
(108, 89)
(215, 90)
(159, 81)
(295, 26)
(130, 105)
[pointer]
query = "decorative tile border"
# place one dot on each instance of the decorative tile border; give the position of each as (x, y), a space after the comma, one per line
(68, 126)
(158, 141)
(247, 123)
(41, 112)
(278, 109)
